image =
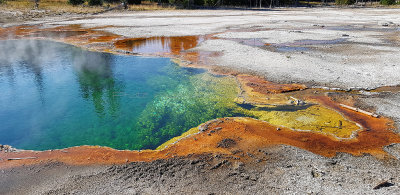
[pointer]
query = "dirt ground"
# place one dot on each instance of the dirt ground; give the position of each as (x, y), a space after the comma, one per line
(342, 49)
(275, 170)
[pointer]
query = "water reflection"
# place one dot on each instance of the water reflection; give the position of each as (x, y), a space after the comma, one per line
(93, 70)
(174, 45)
(27, 56)
(167, 46)
(96, 80)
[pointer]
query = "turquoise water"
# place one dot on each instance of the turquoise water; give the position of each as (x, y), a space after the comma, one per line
(54, 95)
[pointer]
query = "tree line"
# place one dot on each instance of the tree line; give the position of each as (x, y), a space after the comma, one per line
(237, 3)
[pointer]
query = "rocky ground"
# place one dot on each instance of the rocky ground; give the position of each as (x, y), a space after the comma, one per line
(12, 17)
(280, 170)
(341, 48)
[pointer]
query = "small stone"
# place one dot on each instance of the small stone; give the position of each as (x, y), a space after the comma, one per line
(219, 164)
(217, 156)
(250, 155)
(278, 129)
(226, 143)
(245, 176)
(314, 174)
(194, 162)
(384, 184)
(332, 162)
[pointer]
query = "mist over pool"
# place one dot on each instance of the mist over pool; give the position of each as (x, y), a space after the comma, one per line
(55, 95)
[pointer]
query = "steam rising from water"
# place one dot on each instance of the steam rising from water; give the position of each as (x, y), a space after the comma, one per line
(32, 57)
(25, 62)
(55, 96)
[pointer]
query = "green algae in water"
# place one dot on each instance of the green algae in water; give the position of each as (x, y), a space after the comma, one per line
(55, 95)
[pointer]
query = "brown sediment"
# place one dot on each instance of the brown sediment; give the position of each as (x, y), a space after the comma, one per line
(72, 34)
(394, 89)
(57, 34)
(199, 58)
(16, 31)
(377, 132)
(265, 87)
(259, 91)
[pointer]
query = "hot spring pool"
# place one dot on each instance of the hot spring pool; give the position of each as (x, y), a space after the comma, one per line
(55, 95)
